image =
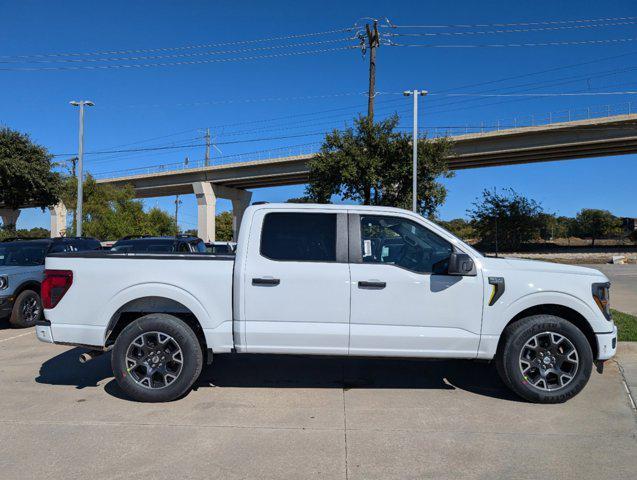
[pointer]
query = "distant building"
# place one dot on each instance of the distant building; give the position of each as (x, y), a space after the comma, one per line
(629, 224)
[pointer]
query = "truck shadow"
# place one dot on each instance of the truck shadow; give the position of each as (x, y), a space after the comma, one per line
(65, 369)
(292, 371)
(297, 371)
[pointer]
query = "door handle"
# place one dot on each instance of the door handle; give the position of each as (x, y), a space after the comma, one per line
(264, 282)
(372, 285)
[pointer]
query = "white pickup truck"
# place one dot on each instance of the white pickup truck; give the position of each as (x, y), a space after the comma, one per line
(331, 280)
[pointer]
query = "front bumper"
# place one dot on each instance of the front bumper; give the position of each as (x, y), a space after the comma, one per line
(606, 344)
(43, 331)
(6, 305)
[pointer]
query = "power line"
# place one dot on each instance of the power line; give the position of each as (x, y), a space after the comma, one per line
(244, 100)
(507, 31)
(172, 64)
(573, 94)
(185, 47)
(517, 24)
(256, 152)
(533, 85)
(539, 72)
(176, 55)
(505, 45)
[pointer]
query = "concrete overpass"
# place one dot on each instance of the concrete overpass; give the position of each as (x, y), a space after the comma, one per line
(597, 137)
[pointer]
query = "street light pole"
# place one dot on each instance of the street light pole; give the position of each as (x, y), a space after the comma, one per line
(80, 163)
(414, 194)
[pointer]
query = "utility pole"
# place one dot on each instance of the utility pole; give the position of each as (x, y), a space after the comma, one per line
(177, 203)
(207, 161)
(80, 158)
(373, 42)
(414, 193)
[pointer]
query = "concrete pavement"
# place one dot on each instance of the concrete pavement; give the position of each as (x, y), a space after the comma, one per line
(299, 417)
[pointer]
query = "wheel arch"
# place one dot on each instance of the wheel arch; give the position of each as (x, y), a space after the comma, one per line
(559, 310)
(27, 285)
(144, 299)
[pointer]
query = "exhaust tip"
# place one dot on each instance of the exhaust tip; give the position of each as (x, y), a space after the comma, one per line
(88, 356)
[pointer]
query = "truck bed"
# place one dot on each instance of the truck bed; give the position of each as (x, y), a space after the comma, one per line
(107, 284)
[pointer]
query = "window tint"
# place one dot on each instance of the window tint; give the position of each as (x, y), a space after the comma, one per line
(23, 255)
(304, 237)
(184, 247)
(223, 249)
(401, 242)
(200, 246)
(144, 246)
(60, 247)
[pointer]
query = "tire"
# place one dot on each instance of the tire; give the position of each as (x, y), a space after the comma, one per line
(544, 359)
(27, 309)
(157, 358)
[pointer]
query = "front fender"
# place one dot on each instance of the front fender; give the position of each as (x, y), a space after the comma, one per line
(535, 299)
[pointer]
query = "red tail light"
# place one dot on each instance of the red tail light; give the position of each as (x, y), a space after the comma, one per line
(55, 284)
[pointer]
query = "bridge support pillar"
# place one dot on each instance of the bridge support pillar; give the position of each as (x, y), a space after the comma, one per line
(239, 206)
(206, 210)
(9, 217)
(58, 220)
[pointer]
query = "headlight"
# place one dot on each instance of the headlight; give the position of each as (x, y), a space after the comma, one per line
(4, 282)
(601, 294)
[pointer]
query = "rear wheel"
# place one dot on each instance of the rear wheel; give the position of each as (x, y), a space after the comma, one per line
(157, 358)
(27, 309)
(545, 359)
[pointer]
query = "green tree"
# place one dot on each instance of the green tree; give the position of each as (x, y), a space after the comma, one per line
(594, 223)
(26, 175)
(372, 164)
(35, 232)
(460, 227)
(508, 219)
(223, 227)
(111, 212)
(552, 226)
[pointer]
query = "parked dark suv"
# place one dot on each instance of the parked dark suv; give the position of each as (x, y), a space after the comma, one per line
(147, 244)
(22, 270)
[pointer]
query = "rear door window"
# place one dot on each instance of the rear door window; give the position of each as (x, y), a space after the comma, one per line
(301, 237)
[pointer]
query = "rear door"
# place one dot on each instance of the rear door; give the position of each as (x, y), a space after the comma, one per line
(296, 282)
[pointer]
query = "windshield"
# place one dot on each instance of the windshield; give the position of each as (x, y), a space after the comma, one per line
(23, 255)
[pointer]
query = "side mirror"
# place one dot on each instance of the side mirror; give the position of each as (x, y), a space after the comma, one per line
(461, 264)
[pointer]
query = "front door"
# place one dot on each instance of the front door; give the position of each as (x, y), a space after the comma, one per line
(297, 283)
(403, 302)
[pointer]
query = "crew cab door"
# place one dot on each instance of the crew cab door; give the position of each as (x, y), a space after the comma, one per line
(296, 282)
(403, 301)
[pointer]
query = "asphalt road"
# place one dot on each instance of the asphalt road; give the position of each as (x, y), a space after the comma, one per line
(295, 417)
(623, 292)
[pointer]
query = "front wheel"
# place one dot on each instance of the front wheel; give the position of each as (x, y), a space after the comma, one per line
(156, 358)
(545, 359)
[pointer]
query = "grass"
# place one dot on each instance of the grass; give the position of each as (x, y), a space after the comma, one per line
(627, 325)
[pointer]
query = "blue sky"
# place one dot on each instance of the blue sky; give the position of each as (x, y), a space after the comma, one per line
(299, 96)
